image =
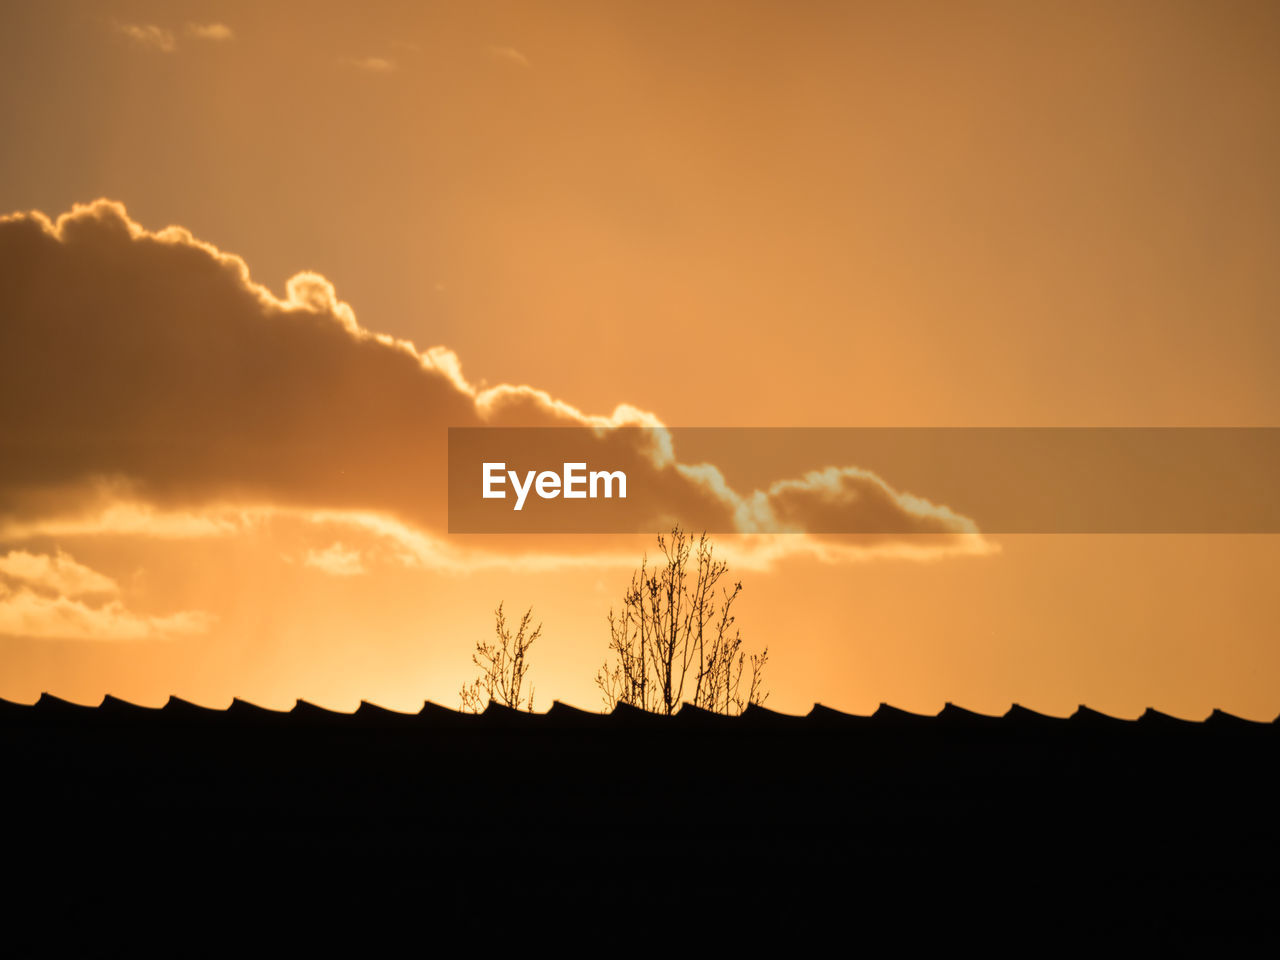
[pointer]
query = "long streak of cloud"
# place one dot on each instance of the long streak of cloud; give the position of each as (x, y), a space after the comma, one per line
(56, 597)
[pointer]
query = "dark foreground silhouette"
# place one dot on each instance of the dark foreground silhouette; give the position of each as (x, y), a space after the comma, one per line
(192, 825)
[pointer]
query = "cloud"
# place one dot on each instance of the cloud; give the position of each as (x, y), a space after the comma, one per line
(845, 497)
(510, 55)
(88, 512)
(336, 560)
(190, 397)
(149, 35)
(209, 31)
(371, 64)
(25, 613)
(384, 540)
(46, 597)
(59, 574)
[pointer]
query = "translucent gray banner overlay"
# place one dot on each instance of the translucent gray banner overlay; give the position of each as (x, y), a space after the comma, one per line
(868, 481)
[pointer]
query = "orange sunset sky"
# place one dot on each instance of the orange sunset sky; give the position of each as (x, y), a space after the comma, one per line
(259, 256)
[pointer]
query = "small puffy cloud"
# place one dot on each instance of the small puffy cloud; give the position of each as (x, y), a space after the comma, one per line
(149, 35)
(370, 64)
(510, 55)
(336, 560)
(209, 31)
(848, 499)
(58, 574)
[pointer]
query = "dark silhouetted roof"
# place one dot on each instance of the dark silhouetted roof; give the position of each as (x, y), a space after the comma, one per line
(563, 716)
(1023, 826)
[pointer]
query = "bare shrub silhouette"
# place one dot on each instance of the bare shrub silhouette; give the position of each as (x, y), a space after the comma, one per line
(503, 666)
(676, 631)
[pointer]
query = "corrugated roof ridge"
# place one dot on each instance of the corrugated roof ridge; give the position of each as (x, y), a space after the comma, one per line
(822, 712)
(1021, 714)
(887, 713)
(1087, 715)
(48, 703)
(1222, 719)
(756, 716)
(120, 709)
(374, 712)
(1152, 717)
(950, 713)
(561, 714)
(437, 715)
(244, 710)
